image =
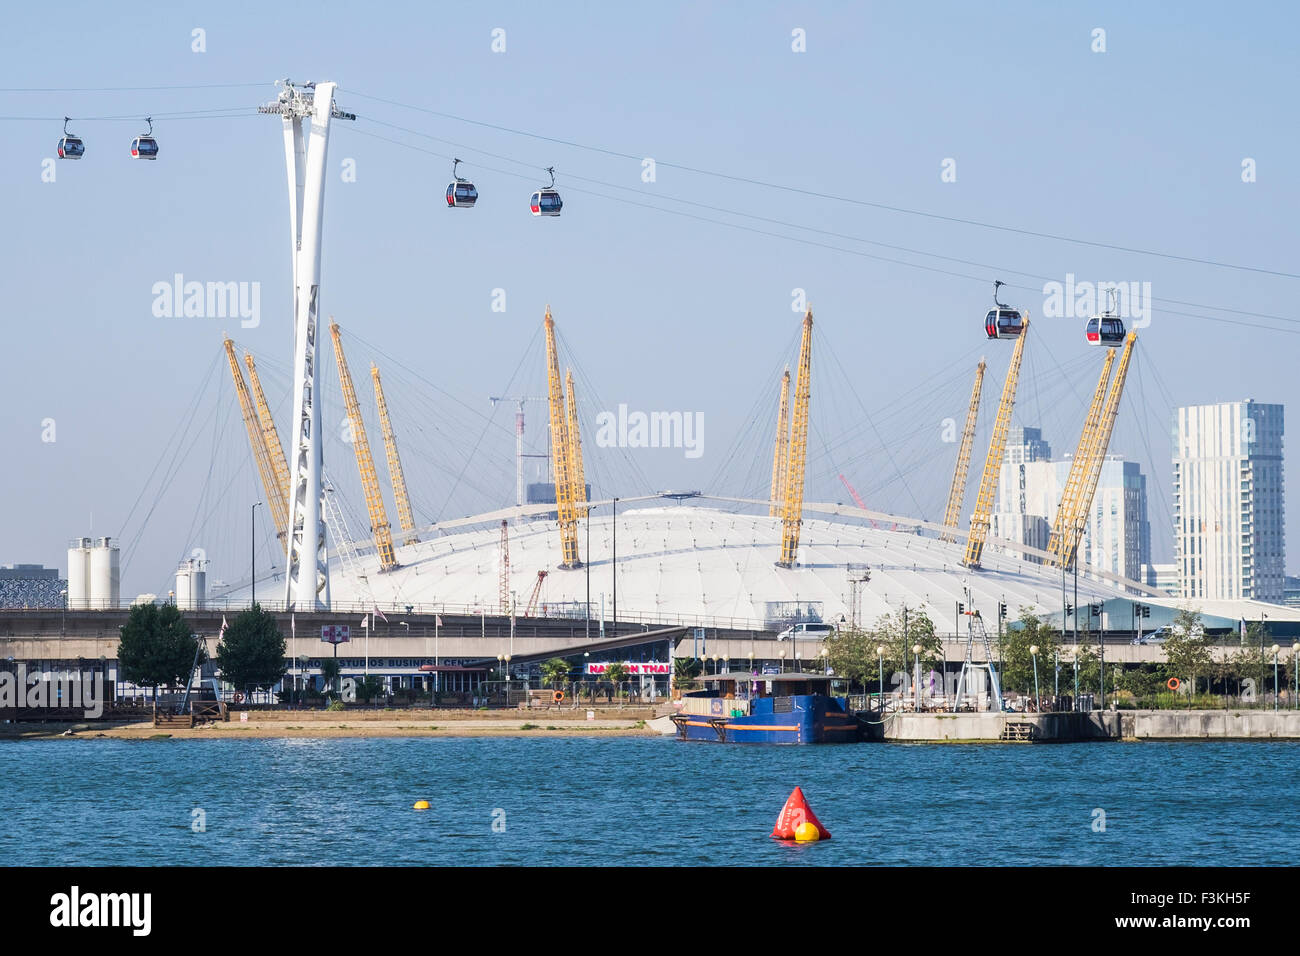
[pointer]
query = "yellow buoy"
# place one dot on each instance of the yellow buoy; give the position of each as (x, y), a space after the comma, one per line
(421, 805)
(806, 833)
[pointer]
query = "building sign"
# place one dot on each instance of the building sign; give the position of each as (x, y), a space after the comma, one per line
(336, 634)
(634, 667)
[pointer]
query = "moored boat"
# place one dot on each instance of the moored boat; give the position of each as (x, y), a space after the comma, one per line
(747, 708)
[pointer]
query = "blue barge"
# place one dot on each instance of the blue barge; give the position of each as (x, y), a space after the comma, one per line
(746, 708)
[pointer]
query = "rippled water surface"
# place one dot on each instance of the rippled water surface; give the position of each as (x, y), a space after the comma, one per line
(641, 801)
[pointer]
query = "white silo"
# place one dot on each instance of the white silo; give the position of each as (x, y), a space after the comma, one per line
(79, 574)
(105, 575)
(191, 585)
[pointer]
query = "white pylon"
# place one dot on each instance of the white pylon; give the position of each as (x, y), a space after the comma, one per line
(307, 577)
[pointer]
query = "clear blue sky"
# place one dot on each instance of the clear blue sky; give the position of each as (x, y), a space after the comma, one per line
(1139, 146)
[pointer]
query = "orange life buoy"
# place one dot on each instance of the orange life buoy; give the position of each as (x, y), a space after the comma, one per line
(1173, 683)
(558, 696)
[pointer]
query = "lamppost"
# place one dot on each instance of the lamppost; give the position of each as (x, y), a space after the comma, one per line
(1076, 679)
(1275, 649)
(880, 662)
(1296, 649)
(252, 547)
(1033, 652)
(1056, 666)
(588, 607)
(614, 565)
(501, 659)
(916, 658)
(781, 655)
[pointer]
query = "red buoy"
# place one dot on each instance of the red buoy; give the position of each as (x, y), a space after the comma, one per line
(795, 812)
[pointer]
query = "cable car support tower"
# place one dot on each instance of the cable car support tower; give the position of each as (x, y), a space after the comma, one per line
(307, 574)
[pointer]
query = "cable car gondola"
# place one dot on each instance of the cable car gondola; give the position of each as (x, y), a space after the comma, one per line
(460, 192)
(70, 145)
(145, 146)
(1106, 329)
(1003, 322)
(546, 201)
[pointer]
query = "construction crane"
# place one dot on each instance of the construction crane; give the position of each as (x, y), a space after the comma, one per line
(537, 590)
(857, 498)
(273, 447)
(979, 519)
(504, 586)
(1079, 463)
(405, 518)
(792, 510)
(519, 440)
(560, 454)
(1100, 442)
(365, 464)
(781, 453)
(957, 493)
(275, 496)
(575, 450)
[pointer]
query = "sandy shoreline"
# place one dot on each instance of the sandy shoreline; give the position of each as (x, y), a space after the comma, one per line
(323, 724)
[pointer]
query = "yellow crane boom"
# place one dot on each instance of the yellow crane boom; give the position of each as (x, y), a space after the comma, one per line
(274, 450)
(979, 519)
(957, 493)
(575, 449)
(560, 453)
(365, 464)
(275, 497)
(1070, 495)
(781, 452)
(792, 510)
(405, 517)
(1097, 453)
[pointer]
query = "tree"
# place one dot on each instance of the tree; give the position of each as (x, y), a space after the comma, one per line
(1089, 667)
(555, 671)
(899, 633)
(1018, 664)
(156, 648)
(616, 673)
(1187, 649)
(851, 654)
(329, 671)
(685, 670)
(369, 687)
(251, 652)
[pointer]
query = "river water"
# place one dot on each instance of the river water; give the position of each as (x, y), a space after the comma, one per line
(641, 801)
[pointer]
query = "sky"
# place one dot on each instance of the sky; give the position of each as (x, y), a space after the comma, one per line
(860, 153)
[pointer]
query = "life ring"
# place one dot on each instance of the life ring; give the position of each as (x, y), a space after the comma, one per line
(239, 698)
(558, 696)
(1173, 683)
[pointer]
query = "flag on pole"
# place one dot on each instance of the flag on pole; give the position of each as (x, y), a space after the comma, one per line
(222, 633)
(438, 620)
(365, 620)
(293, 626)
(380, 613)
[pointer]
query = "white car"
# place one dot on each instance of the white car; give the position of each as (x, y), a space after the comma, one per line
(808, 631)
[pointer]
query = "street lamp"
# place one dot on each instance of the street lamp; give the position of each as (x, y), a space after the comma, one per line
(252, 547)
(880, 660)
(1296, 649)
(781, 655)
(916, 657)
(1275, 649)
(1033, 652)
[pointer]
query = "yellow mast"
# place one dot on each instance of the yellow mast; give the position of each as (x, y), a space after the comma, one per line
(405, 517)
(560, 454)
(575, 450)
(274, 450)
(781, 451)
(1065, 511)
(957, 493)
(275, 496)
(979, 519)
(365, 464)
(792, 511)
(1097, 453)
